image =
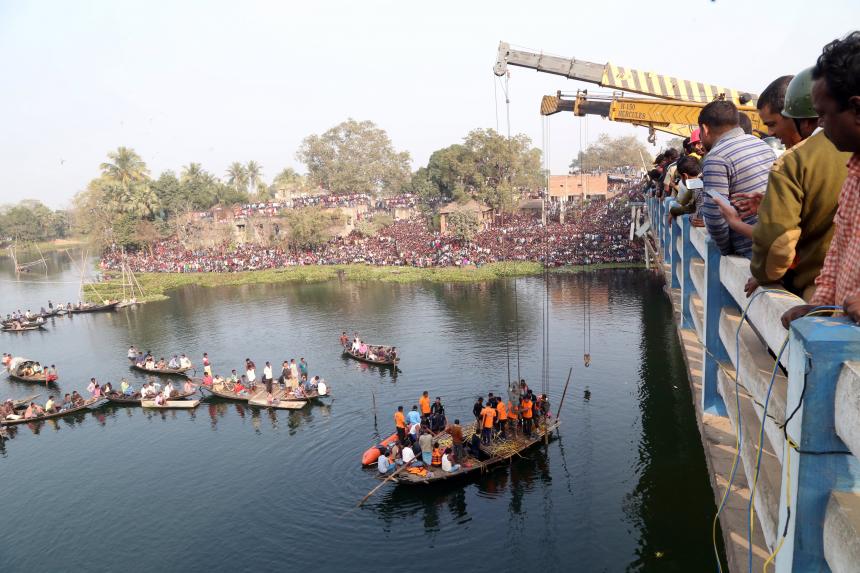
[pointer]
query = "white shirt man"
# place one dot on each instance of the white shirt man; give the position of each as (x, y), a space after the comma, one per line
(447, 466)
(174, 363)
(132, 353)
(267, 372)
(355, 345)
(184, 362)
(251, 374)
(321, 388)
(408, 455)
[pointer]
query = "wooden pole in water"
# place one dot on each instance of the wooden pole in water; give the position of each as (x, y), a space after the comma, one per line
(374, 490)
(373, 397)
(563, 394)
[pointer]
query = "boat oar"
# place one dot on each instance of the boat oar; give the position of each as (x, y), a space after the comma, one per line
(377, 488)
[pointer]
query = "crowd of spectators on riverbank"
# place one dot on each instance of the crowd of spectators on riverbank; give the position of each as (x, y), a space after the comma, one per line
(596, 233)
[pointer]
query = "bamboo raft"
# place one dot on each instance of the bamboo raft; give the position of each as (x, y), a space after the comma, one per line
(498, 452)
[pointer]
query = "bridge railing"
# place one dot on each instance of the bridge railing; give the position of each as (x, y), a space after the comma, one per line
(804, 462)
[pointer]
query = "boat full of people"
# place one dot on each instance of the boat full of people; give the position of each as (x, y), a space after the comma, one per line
(126, 394)
(178, 365)
(11, 414)
(377, 354)
(26, 370)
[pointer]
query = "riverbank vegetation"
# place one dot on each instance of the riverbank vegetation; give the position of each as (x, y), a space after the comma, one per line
(156, 286)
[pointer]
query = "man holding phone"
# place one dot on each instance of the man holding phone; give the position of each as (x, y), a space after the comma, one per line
(736, 163)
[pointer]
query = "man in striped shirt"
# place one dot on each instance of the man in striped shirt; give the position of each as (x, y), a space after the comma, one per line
(735, 163)
(836, 97)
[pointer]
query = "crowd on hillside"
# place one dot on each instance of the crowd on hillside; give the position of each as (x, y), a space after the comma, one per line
(793, 210)
(598, 233)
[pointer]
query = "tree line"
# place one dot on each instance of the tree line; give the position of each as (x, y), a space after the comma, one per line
(126, 205)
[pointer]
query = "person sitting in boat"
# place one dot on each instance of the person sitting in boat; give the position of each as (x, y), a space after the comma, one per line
(125, 388)
(355, 346)
(304, 382)
(174, 363)
(108, 388)
(233, 376)
(159, 400)
(299, 392)
(7, 410)
(321, 387)
(162, 364)
(77, 399)
(28, 315)
(91, 387)
(184, 362)
(51, 375)
(207, 379)
(149, 364)
(40, 320)
(240, 389)
(409, 457)
(33, 410)
(362, 349)
(370, 354)
(67, 402)
(344, 340)
(168, 390)
(218, 380)
(50, 406)
(188, 387)
(436, 456)
(384, 464)
(147, 391)
(447, 466)
(97, 393)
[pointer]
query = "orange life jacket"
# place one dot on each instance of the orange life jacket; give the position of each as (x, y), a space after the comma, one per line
(512, 411)
(436, 458)
(488, 414)
(400, 420)
(425, 404)
(527, 409)
(500, 408)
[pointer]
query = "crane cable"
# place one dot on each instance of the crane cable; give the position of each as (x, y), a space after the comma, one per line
(586, 293)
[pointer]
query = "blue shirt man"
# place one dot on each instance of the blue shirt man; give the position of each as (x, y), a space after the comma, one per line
(413, 417)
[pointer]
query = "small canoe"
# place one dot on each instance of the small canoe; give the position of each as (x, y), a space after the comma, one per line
(38, 378)
(278, 403)
(93, 308)
(372, 453)
(187, 404)
(134, 400)
(224, 391)
(86, 404)
(161, 371)
(19, 364)
(27, 328)
(357, 356)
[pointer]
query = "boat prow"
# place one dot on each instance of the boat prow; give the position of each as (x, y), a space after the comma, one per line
(170, 404)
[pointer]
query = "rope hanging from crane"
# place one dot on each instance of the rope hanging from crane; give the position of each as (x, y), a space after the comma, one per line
(586, 283)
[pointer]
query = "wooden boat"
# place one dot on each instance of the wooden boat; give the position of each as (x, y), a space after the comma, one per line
(19, 363)
(86, 404)
(280, 401)
(135, 399)
(24, 401)
(160, 371)
(27, 328)
(496, 454)
(224, 391)
(186, 404)
(90, 307)
(347, 351)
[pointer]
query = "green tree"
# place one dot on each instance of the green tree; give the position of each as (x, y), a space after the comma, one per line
(254, 173)
(354, 157)
(288, 182)
(464, 225)
(611, 153)
(311, 227)
(423, 187)
(237, 177)
(125, 167)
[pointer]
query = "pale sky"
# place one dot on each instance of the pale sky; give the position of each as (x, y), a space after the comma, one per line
(217, 81)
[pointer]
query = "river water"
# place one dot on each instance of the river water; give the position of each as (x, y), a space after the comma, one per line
(622, 487)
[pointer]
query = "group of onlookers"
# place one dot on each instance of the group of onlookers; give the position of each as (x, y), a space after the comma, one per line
(793, 213)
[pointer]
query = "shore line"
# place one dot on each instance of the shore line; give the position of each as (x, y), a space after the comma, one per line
(156, 285)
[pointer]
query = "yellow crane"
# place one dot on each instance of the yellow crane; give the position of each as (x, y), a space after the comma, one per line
(669, 116)
(618, 77)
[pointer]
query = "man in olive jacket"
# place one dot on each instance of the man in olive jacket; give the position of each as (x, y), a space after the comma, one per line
(795, 218)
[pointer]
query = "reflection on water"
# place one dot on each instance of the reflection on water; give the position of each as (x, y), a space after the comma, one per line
(622, 481)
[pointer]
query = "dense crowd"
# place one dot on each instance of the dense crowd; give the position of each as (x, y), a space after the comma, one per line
(595, 233)
(791, 205)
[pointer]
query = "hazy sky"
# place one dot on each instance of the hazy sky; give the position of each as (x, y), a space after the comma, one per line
(218, 81)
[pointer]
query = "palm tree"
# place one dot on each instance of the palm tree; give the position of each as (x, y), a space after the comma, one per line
(237, 177)
(254, 173)
(125, 166)
(191, 172)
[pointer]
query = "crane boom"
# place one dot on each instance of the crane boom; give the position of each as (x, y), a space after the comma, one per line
(617, 77)
(675, 117)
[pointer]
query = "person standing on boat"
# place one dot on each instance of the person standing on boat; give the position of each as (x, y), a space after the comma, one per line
(437, 416)
(400, 424)
(284, 379)
(501, 417)
(513, 417)
(424, 403)
(456, 433)
(294, 370)
(425, 442)
(91, 387)
(303, 367)
(476, 411)
(413, 417)
(250, 373)
(51, 374)
(267, 377)
(488, 416)
(132, 352)
(207, 366)
(526, 412)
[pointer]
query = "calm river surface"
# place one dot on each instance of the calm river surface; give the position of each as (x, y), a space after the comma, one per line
(231, 488)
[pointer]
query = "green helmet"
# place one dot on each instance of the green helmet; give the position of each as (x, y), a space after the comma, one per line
(798, 97)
